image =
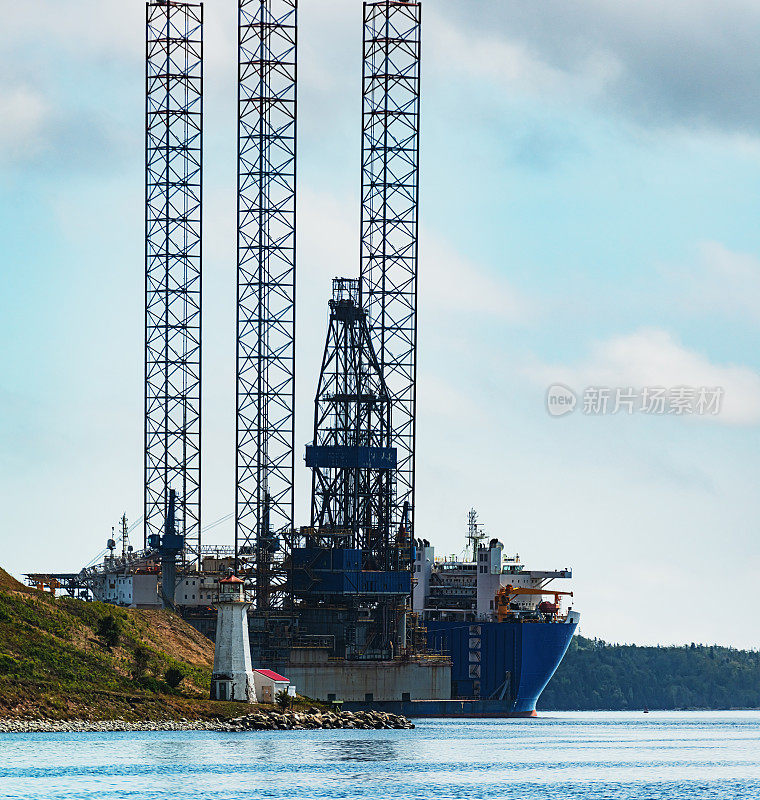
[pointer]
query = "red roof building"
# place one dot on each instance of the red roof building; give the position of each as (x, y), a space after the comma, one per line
(269, 683)
(272, 675)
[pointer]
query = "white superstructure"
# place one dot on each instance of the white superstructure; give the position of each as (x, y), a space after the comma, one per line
(452, 588)
(136, 583)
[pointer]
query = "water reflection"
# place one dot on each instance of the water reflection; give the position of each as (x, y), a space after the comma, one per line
(361, 750)
(165, 750)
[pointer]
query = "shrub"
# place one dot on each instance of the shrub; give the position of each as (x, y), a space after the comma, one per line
(174, 677)
(152, 684)
(283, 699)
(109, 630)
(8, 665)
(140, 661)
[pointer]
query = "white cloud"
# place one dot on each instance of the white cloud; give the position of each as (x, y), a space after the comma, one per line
(81, 27)
(724, 281)
(684, 63)
(102, 31)
(24, 114)
(328, 233)
(455, 284)
(446, 399)
(653, 357)
(687, 62)
(512, 63)
(329, 244)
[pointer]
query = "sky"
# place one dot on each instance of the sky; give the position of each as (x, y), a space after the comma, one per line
(590, 184)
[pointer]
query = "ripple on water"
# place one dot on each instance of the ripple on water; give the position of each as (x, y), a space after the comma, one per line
(594, 756)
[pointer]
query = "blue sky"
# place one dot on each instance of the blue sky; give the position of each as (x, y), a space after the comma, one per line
(590, 185)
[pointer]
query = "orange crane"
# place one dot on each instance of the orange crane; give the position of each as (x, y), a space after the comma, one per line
(505, 594)
(47, 586)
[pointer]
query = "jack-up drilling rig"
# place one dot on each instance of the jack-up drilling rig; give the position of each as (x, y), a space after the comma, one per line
(337, 589)
(331, 599)
(342, 583)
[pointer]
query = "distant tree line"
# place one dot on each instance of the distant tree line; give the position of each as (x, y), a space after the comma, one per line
(595, 675)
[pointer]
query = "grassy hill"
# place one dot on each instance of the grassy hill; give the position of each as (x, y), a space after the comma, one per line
(595, 675)
(55, 660)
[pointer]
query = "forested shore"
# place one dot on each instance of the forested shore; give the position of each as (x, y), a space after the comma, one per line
(595, 675)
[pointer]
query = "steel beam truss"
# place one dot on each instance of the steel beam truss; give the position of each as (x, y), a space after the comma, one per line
(173, 128)
(266, 292)
(351, 455)
(389, 217)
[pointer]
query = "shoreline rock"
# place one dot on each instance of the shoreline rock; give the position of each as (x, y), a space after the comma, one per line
(268, 720)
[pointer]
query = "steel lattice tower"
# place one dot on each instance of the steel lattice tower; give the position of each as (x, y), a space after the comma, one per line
(266, 288)
(389, 216)
(352, 459)
(173, 128)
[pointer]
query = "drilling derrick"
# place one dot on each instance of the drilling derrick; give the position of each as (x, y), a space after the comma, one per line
(266, 294)
(389, 218)
(350, 571)
(173, 127)
(351, 458)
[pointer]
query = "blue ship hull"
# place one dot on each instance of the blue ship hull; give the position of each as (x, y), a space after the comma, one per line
(509, 663)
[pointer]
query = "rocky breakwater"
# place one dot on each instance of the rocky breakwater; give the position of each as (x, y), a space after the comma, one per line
(318, 718)
(108, 726)
(259, 720)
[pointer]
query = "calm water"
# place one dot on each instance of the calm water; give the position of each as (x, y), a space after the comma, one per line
(678, 756)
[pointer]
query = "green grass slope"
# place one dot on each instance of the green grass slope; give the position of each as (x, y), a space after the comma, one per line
(9, 584)
(595, 675)
(54, 663)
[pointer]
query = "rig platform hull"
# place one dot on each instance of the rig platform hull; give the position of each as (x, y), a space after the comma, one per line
(500, 667)
(453, 709)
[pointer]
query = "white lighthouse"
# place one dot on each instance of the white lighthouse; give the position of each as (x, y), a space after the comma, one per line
(232, 678)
